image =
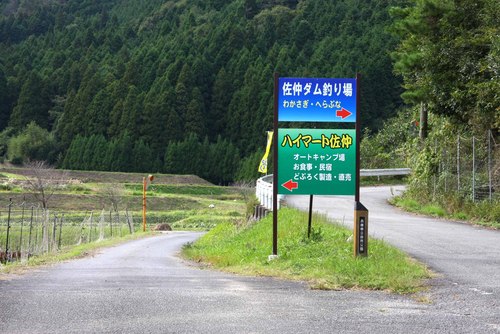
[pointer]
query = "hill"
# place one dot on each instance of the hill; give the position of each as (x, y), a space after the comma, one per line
(148, 75)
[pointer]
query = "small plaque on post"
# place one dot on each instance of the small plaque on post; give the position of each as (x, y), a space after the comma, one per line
(360, 230)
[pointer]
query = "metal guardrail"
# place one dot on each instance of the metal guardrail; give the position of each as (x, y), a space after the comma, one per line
(264, 192)
(385, 172)
(264, 186)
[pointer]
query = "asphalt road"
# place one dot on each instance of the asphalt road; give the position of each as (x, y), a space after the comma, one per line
(466, 254)
(143, 287)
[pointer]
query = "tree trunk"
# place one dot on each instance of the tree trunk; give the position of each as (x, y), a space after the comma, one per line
(423, 121)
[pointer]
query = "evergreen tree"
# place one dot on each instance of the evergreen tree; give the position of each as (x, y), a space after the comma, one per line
(221, 97)
(142, 158)
(122, 154)
(445, 58)
(75, 150)
(162, 70)
(171, 159)
(195, 115)
(4, 101)
(33, 104)
(88, 153)
(132, 107)
(99, 154)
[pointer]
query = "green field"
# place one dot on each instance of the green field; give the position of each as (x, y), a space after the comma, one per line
(82, 210)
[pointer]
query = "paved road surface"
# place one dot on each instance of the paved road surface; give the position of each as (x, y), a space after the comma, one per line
(465, 254)
(143, 287)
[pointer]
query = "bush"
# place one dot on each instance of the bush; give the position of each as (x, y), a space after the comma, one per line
(388, 148)
(33, 143)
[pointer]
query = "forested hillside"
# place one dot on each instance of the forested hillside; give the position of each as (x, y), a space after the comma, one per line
(175, 86)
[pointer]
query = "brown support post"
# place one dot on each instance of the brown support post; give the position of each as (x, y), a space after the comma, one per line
(309, 224)
(275, 166)
(358, 137)
(360, 212)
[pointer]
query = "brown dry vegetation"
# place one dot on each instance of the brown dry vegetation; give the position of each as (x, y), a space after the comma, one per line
(116, 177)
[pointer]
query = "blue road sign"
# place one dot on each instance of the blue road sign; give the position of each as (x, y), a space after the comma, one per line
(317, 100)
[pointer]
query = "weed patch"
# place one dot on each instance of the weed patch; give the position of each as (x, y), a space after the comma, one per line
(484, 213)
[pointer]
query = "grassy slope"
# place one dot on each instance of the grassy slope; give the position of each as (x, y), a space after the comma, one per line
(325, 261)
(481, 213)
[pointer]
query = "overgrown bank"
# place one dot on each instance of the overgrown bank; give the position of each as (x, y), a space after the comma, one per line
(325, 260)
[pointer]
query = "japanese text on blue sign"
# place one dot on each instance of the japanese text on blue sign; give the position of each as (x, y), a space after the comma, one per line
(317, 100)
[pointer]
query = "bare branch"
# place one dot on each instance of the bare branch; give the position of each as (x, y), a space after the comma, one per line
(112, 193)
(43, 180)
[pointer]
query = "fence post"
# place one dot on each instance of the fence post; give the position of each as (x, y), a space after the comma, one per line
(111, 223)
(128, 222)
(102, 235)
(434, 176)
(31, 230)
(8, 230)
(45, 230)
(37, 245)
(22, 225)
(119, 223)
(90, 226)
(60, 232)
(445, 169)
(81, 230)
(54, 239)
(37, 221)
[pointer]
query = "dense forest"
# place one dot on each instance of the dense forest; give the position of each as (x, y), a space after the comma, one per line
(99, 78)
(186, 86)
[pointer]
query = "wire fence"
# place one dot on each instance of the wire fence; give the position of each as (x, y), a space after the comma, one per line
(28, 230)
(468, 166)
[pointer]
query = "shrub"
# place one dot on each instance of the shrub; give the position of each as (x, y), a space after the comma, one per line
(33, 143)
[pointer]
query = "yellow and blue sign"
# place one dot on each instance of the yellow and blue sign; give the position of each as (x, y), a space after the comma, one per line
(317, 100)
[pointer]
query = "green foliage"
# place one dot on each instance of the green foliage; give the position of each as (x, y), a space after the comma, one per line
(158, 71)
(325, 260)
(5, 136)
(4, 101)
(441, 184)
(389, 148)
(453, 207)
(248, 170)
(216, 162)
(448, 57)
(32, 105)
(96, 153)
(33, 143)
